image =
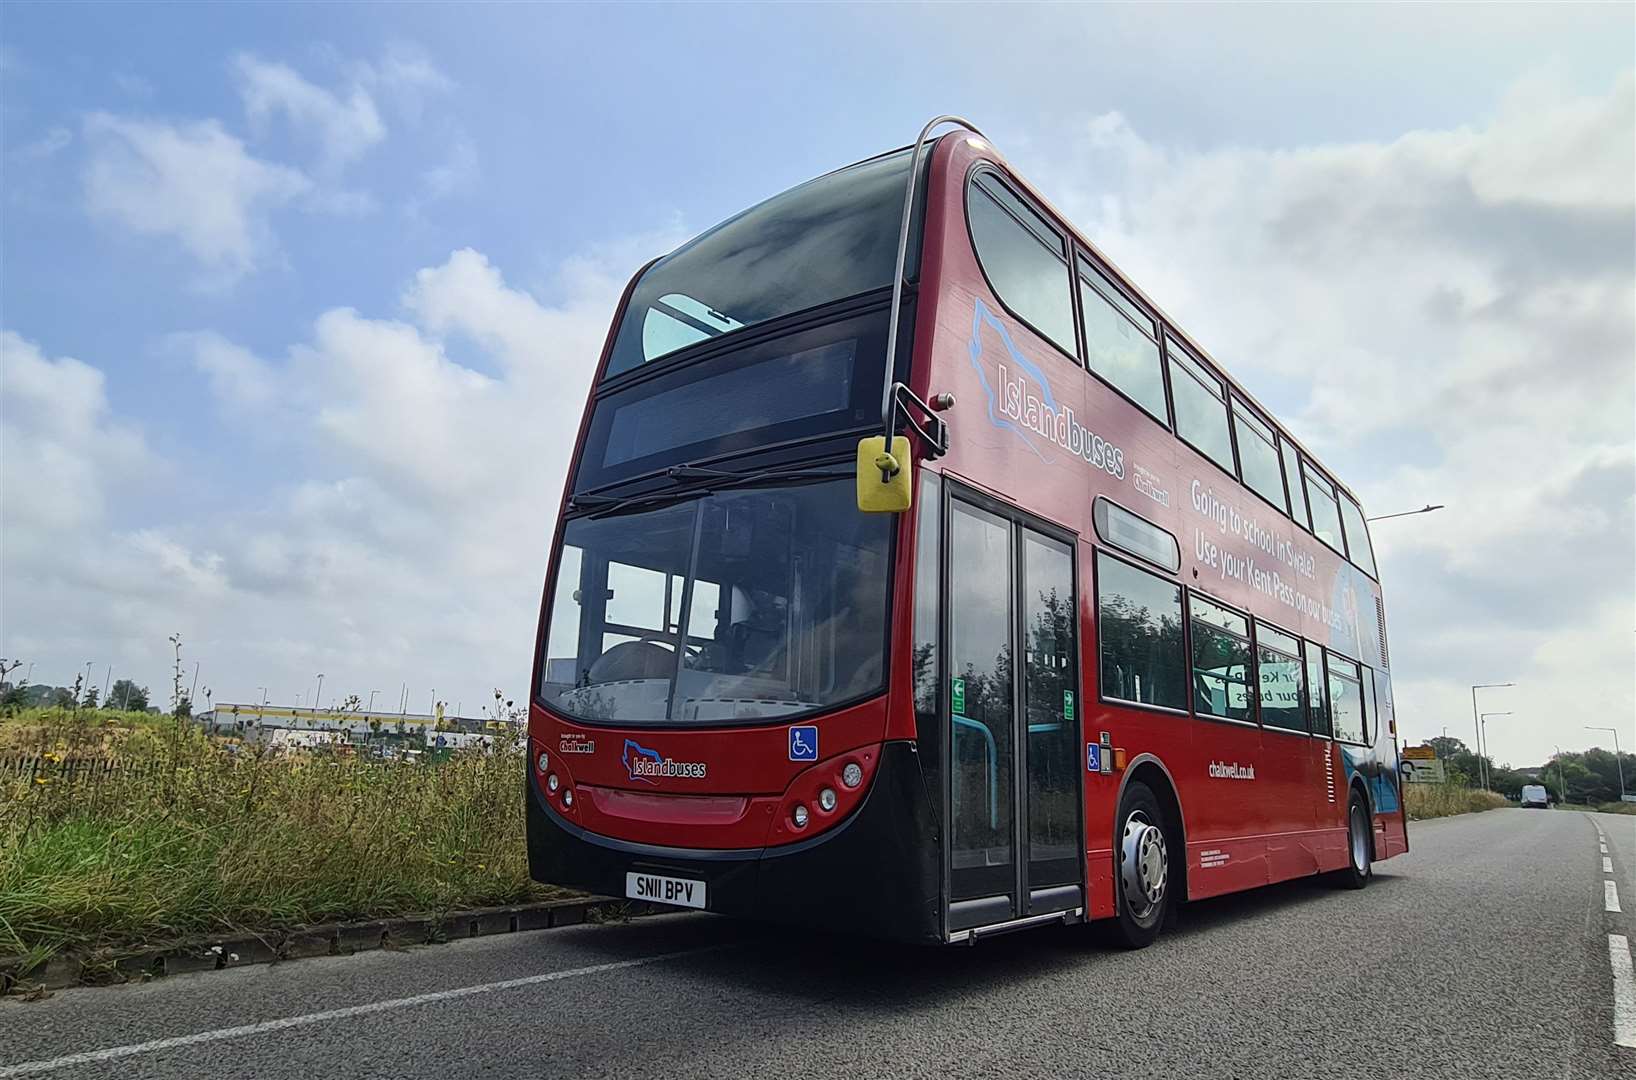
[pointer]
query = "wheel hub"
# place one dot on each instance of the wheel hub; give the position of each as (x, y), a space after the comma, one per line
(1144, 864)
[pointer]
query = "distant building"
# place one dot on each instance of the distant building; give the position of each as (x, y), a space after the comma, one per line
(255, 722)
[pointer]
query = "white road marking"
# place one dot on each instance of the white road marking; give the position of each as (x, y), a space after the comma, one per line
(265, 1027)
(1624, 991)
(1610, 902)
(1607, 865)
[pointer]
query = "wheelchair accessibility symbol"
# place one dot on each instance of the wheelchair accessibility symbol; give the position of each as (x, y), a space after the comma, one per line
(804, 743)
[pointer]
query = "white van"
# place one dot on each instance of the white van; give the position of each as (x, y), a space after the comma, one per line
(1535, 795)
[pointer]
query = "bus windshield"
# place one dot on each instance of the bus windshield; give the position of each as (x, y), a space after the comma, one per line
(828, 239)
(734, 605)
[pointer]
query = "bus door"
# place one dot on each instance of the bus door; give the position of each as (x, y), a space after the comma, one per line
(1012, 736)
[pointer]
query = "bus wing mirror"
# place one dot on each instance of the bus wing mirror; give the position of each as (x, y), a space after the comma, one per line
(883, 475)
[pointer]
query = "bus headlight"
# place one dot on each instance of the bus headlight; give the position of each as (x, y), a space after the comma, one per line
(799, 816)
(568, 798)
(551, 782)
(826, 800)
(851, 776)
(545, 761)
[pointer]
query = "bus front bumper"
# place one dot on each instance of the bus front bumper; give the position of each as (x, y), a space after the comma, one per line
(876, 873)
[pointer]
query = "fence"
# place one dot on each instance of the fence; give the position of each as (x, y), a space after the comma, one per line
(76, 770)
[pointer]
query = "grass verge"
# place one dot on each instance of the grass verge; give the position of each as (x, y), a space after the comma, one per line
(178, 834)
(1444, 800)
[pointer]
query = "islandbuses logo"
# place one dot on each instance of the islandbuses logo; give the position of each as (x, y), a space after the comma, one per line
(648, 765)
(1024, 402)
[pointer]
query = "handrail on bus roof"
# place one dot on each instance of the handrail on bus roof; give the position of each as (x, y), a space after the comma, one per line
(890, 387)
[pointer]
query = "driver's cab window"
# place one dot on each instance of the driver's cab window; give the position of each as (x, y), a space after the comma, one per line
(784, 597)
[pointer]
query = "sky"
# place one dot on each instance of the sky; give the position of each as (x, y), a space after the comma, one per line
(299, 304)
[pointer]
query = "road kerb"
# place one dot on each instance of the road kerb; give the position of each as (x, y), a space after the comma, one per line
(304, 942)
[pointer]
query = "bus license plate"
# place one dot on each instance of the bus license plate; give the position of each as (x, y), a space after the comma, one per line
(665, 890)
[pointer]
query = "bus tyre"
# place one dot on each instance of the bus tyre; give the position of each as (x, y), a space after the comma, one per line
(1360, 843)
(1142, 859)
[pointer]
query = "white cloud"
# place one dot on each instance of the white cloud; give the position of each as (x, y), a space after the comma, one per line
(408, 538)
(61, 449)
(1445, 317)
(346, 122)
(194, 183)
(46, 146)
(457, 173)
(240, 381)
(345, 125)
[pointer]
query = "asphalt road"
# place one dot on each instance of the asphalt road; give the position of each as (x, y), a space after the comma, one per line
(1484, 952)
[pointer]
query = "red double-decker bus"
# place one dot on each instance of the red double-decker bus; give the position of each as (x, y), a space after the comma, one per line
(917, 575)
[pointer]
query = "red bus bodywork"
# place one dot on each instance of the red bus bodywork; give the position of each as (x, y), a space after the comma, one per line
(735, 827)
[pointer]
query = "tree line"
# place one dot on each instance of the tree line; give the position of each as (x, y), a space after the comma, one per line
(123, 694)
(1583, 776)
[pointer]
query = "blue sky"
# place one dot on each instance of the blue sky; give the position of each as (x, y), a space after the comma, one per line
(240, 218)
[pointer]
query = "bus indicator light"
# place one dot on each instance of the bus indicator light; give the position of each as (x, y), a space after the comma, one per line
(1119, 757)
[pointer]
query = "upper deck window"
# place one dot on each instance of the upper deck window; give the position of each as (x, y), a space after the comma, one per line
(1297, 494)
(1326, 512)
(828, 239)
(1201, 407)
(1258, 456)
(1024, 257)
(1121, 343)
(1357, 536)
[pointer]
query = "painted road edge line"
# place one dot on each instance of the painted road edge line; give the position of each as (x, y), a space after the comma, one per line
(1624, 991)
(29, 1068)
(1607, 864)
(1610, 901)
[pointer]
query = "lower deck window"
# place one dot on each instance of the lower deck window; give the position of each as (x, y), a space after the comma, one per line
(1278, 672)
(1139, 627)
(1346, 701)
(1221, 660)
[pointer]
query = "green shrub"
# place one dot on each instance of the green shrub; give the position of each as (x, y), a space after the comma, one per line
(128, 833)
(1443, 800)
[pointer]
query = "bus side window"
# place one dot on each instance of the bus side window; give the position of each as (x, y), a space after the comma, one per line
(1201, 407)
(1025, 259)
(1317, 695)
(1139, 636)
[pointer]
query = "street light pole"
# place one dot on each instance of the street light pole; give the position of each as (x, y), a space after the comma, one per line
(1428, 508)
(371, 706)
(1560, 782)
(1616, 759)
(1477, 723)
(319, 693)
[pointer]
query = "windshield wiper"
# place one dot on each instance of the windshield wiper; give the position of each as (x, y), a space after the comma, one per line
(700, 472)
(721, 478)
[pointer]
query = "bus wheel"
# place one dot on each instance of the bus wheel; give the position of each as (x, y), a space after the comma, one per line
(1143, 884)
(1360, 861)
